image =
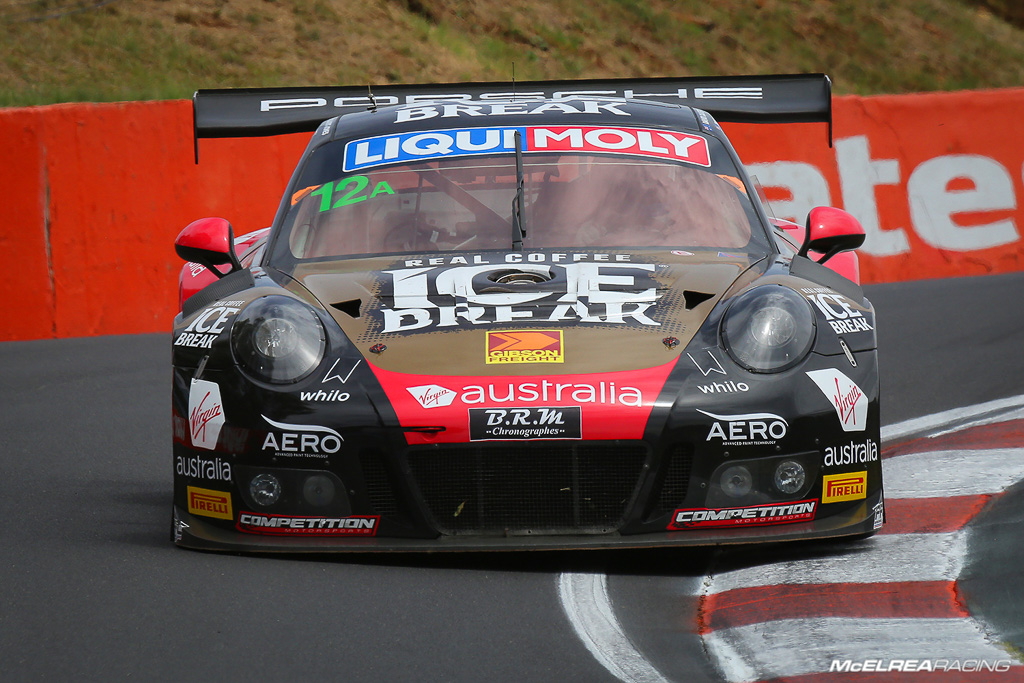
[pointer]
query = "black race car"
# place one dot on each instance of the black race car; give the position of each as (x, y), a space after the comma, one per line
(554, 316)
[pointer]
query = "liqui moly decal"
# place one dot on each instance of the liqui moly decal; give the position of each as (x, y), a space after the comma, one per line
(847, 398)
(422, 299)
(438, 144)
(205, 414)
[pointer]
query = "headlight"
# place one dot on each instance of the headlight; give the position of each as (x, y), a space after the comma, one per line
(278, 339)
(768, 329)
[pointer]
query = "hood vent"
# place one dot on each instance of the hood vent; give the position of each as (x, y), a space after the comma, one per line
(350, 307)
(694, 299)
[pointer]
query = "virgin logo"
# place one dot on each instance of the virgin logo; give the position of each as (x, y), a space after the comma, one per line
(432, 395)
(846, 402)
(202, 414)
(205, 414)
(847, 398)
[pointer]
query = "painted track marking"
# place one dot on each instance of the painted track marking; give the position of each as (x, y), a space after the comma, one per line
(740, 652)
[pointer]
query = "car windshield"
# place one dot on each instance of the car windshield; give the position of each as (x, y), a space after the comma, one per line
(466, 204)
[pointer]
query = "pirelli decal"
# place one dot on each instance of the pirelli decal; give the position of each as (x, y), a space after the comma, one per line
(209, 503)
(525, 346)
(836, 488)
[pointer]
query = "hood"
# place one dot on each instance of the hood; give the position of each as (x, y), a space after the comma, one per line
(523, 313)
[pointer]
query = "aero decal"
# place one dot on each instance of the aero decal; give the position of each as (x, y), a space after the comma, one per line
(847, 398)
(434, 144)
(205, 414)
(525, 346)
(611, 405)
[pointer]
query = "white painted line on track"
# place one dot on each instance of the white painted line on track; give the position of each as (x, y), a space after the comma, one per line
(586, 603)
(908, 557)
(791, 647)
(751, 653)
(939, 474)
(957, 419)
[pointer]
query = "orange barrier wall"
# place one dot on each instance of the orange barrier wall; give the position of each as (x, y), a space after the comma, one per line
(94, 194)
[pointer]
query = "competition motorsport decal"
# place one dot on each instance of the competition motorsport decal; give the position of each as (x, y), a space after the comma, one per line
(436, 144)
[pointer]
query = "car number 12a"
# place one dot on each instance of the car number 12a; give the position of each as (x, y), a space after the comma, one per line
(357, 193)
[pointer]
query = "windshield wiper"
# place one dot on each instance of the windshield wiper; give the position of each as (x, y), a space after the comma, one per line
(518, 232)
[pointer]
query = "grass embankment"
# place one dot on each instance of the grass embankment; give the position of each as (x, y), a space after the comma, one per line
(105, 50)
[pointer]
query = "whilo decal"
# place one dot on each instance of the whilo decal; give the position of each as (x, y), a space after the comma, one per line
(435, 144)
(312, 441)
(584, 292)
(331, 374)
(847, 398)
(727, 387)
(755, 515)
(205, 414)
(751, 429)
(709, 365)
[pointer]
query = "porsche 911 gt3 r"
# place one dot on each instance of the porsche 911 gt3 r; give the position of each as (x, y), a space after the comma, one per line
(559, 317)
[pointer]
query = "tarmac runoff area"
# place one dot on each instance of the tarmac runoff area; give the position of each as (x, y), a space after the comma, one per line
(936, 590)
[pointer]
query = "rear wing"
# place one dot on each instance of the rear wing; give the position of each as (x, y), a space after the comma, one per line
(254, 112)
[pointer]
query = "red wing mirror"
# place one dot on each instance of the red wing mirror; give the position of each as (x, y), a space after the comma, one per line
(830, 231)
(210, 243)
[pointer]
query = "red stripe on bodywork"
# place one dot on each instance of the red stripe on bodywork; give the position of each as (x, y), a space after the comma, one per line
(607, 407)
(931, 515)
(903, 600)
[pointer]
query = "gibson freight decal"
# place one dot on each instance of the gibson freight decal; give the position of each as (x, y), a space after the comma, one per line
(755, 515)
(836, 488)
(525, 346)
(209, 503)
(284, 525)
(525, 423)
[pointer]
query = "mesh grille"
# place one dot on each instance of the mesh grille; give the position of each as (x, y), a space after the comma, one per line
(541, 487)
(677, 478)
(378, 485)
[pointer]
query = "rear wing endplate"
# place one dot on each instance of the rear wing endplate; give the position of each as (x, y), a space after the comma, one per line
(254, 112)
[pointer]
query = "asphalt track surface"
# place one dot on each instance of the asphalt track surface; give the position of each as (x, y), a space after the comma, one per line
(93, 590)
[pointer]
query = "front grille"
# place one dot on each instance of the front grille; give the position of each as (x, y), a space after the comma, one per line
(677, 478)
(378, 484)
(540, 487)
